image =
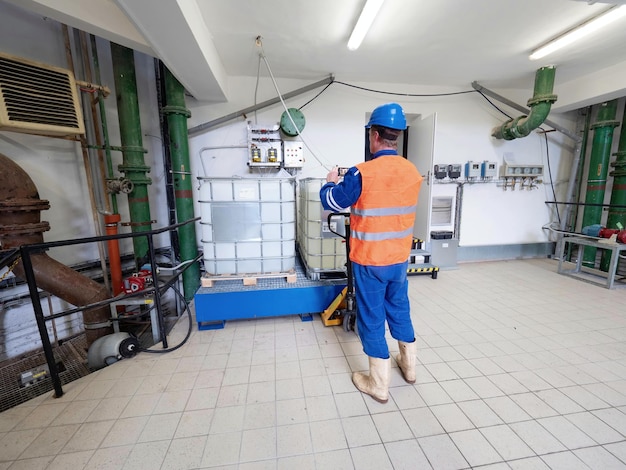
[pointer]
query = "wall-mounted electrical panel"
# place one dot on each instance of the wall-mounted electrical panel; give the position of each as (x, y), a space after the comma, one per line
(472, 170)
(264, 146)
(488, 170)
(517, 170)
(454, 171)
(521, 175)
(441, 171)
(293, 152)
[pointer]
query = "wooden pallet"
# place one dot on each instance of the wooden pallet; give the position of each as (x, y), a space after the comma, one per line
(248, 279)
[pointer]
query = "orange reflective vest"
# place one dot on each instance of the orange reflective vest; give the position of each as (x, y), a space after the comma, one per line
(381, 221)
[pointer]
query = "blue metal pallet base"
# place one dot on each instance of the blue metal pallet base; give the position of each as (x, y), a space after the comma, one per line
(273, 297)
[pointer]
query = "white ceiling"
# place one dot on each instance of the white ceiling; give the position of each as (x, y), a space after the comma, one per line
(440, 43)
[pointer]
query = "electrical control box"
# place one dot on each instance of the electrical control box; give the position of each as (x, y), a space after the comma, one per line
(454, 171)
(488, 170)
(472, 170)
(264, 146)
(441, 171)
(293, 151)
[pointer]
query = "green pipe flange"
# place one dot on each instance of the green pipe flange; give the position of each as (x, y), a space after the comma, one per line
(605, 124)
(176, 110)
(541, 99)
(124, 167)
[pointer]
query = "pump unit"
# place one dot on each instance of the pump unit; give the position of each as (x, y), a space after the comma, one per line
(38, 99)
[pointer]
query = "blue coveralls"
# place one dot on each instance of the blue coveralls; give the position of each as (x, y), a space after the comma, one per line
(381, 291)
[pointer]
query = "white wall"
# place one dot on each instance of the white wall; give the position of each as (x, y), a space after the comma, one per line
(334, 134)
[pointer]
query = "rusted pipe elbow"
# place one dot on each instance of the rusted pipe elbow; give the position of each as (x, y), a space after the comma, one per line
(20, 224)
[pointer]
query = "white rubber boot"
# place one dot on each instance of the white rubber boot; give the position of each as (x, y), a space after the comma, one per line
(376, 385)
(407, 359)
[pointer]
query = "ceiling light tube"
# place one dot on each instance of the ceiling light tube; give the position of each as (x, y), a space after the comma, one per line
(579, 32)
(370, 10)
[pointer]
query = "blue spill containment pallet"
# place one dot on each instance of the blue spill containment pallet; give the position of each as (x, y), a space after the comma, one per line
(270, 297)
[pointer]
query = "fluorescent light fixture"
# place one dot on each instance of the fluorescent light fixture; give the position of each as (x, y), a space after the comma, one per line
(579, 32)
(370, 10)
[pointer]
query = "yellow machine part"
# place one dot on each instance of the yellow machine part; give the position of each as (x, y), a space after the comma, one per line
(328, 316)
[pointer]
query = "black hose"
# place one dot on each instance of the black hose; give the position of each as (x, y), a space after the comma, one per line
(174, 348)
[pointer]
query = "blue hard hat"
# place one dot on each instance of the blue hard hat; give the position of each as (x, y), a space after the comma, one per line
(388, 115)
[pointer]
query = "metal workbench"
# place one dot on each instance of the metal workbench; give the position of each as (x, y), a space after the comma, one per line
(590, 275)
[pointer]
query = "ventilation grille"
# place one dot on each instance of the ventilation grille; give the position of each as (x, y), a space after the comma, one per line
(38, 99)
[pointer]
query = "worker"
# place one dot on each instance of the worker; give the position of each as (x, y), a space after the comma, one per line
(382, 194)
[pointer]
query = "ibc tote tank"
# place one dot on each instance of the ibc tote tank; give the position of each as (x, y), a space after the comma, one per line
(321, 251)
(248, 224)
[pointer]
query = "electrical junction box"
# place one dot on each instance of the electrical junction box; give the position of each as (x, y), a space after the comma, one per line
(454, 171)
(441, 171)
(264, 146)
(293, 154)
(516, 170)
(472, 170)
(488, 170)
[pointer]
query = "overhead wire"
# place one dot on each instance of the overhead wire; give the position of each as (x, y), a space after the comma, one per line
(418, 95)
(262, 56)
(316, 96)
(259, 43)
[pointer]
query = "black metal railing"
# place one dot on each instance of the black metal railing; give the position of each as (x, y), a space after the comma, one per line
(155, 290)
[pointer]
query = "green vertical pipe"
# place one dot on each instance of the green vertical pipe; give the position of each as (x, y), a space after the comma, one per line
(598, 170)
(133, 165)
(579, 173)
(617, 215)
(103, 121)
(177, 115)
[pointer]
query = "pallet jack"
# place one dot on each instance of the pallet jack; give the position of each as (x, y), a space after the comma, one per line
(342, 310)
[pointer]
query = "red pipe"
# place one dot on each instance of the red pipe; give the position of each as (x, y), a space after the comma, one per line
(115, 263)
(20, 224)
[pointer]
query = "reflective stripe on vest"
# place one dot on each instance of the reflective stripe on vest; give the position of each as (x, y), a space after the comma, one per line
(385, 211)
(378, 236)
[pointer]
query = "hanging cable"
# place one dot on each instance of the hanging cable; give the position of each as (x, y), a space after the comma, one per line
(558, 215)
(316, 96)
(492, 103)
(256, 86)
(259, 43)
(189, 329)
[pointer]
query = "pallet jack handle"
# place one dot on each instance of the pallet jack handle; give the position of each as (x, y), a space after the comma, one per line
(347, 297)
(346, 237)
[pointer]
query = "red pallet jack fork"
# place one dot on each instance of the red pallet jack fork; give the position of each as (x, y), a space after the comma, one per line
(342, 310)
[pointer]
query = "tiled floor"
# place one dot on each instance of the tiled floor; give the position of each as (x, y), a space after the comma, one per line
(519, 368)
